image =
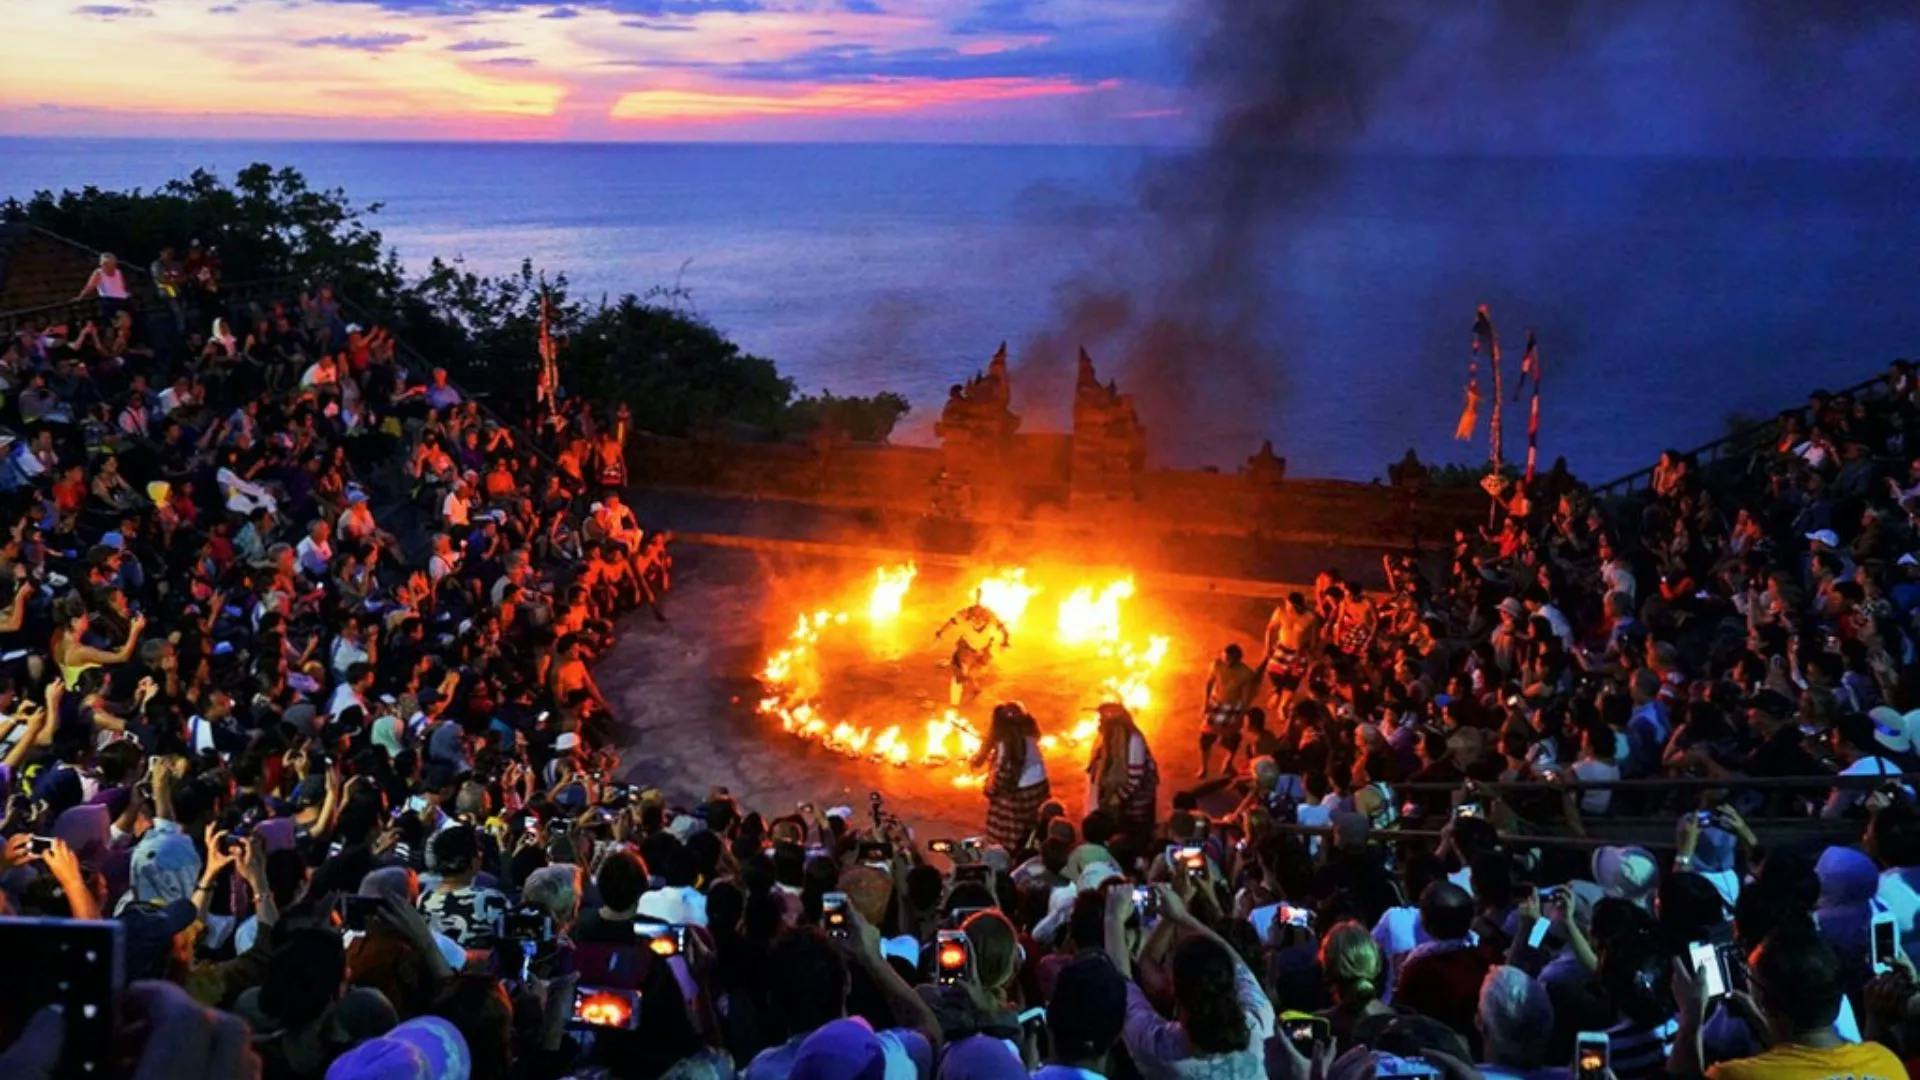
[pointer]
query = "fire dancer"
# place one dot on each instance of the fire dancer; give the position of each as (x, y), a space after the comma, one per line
(972, 648)
(1016, 775)
(1122, 777)
(1293, 634)
(1231, 685)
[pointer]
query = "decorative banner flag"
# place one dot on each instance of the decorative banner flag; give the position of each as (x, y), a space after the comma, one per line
(546, 389)
(1470, 409)
(1530, 364)
(1483, 330)
(1529, 367)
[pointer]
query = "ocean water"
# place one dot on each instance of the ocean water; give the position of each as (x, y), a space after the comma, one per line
(1668, 293)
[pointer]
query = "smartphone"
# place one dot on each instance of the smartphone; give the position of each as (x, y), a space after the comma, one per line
(1192, 858)
(39, 845)
(531, 825)
(1537, 934)
(1034, 1019)
(1886, 942)
(663, 939)
(833, 915)
(1295, 916)
(85, 960)
(1304, 1031)
(356, 910)
(941, 847)
(1590, 1056)
(606, 1007)
(876, 853)
(1467, 809)
(952, 956)
(1734, 963)
(1705, 961)
(1147, 903)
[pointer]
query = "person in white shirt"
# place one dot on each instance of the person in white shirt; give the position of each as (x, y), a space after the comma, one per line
(1223, 1018)
(1858, 743)
(315, 551)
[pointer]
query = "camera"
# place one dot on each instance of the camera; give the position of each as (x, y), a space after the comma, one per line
(605, 1007)
(952, 956)
(662, 939)
(1192, 858)
(833, 915)
(81, 969)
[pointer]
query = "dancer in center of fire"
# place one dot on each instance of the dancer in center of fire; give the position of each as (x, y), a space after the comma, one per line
(972, 648)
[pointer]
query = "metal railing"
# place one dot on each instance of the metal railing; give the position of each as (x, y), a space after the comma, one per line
(1740, 441)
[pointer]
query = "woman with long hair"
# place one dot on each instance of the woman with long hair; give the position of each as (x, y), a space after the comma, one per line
(1222, 1016)
(1016, 776)
(1122, 777)
(1354, 970)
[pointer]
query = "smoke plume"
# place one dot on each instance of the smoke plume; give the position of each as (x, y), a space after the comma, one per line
(1191, 314)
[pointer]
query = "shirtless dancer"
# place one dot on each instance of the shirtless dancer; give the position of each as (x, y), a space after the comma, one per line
(972, 648)
(1293, 636)
(1231, 686)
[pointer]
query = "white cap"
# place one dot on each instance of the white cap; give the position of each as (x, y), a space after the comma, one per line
(1825, 536)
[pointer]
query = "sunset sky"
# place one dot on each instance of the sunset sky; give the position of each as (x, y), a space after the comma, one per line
(1791, 78)
(1018, 70)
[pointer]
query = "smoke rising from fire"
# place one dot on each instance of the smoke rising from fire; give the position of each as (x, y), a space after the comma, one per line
(1191, 312)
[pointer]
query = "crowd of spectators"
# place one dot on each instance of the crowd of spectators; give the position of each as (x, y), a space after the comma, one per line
(298, 698)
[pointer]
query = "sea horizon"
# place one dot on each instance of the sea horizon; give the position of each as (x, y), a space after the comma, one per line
(1669, 292)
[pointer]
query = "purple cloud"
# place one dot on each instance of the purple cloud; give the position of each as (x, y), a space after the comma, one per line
(224, 9)
(113, 11)
(652, 24)
(373, 43)
(561, 13)
(507, 62)
(863, 7)
(481, 45)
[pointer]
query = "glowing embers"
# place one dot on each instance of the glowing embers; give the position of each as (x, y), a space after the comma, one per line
(1086, 655)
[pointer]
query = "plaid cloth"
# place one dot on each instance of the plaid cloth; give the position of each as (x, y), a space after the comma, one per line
(1012, 813)
(1225, 716)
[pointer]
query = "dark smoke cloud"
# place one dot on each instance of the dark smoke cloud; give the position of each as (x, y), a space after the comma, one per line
(1190, 315)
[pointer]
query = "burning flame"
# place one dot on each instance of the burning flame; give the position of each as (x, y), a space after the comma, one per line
(1089, 624)
(1087, 617)
(890, 586)
(1007, 594)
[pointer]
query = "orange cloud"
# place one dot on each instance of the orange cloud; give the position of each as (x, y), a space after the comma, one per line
(903, 95)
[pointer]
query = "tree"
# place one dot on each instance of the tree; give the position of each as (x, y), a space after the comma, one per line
(675, 371)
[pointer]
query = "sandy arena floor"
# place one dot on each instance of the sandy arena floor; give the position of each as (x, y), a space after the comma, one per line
(685, 694)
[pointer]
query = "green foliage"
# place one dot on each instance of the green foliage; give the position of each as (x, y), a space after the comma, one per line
(268, 223)
(863, 419)
(673, 369)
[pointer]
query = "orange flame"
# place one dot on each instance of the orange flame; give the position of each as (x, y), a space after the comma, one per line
(890, 586)
(1007, 594)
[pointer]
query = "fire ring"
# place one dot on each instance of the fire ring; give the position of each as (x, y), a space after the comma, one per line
(1065, 631)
